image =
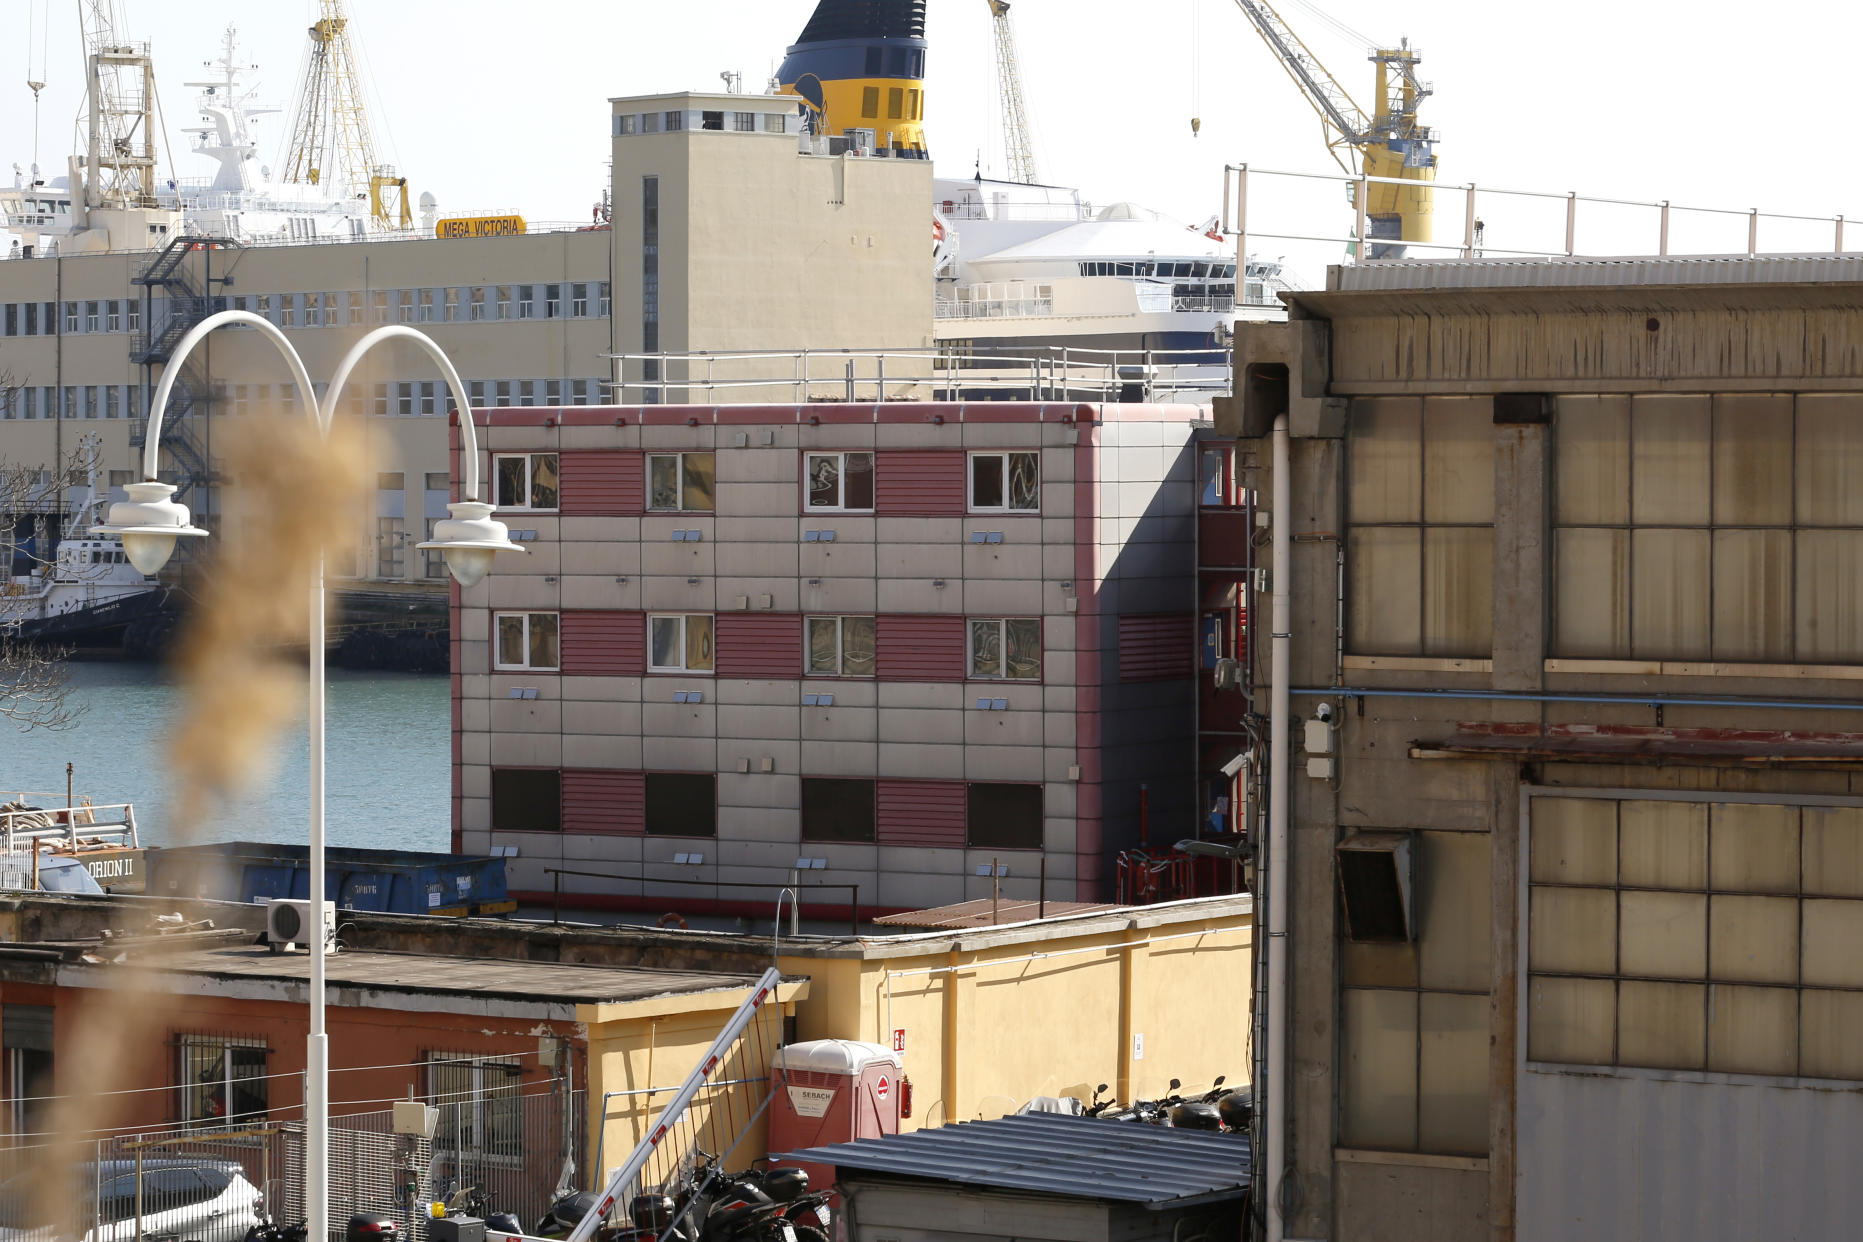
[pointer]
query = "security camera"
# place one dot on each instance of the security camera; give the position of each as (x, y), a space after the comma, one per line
(1235, 765)
(1323, 712)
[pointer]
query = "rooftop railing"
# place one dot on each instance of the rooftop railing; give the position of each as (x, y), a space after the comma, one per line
(1477, 221)
(964, 373)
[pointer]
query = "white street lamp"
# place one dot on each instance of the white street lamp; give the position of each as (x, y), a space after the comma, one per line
(151, 524)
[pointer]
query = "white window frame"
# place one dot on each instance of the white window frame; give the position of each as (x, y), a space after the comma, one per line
(683, 618)
(681, 480)
(1002, 647)
(530, 480)
(462, 1139)
(840, 505)
(528, 618)
(840, 646)
(1004, 456)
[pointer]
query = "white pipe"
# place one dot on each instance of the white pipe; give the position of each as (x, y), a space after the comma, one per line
(1280, 791)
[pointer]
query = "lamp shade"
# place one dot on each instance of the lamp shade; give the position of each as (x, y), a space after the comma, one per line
(150, 524)
(470, 540)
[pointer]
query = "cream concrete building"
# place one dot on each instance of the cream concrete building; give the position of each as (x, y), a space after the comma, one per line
(756, 243)
(1577, 564)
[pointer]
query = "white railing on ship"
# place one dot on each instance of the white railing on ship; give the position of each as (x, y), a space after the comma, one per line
(1057, 373)
(1635, 226)
(49, 250)
(51, 822)
(993, 308)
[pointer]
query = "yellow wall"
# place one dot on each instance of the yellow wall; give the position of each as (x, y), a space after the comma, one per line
(658, 1044)
(983, 1038)
(984, 1034)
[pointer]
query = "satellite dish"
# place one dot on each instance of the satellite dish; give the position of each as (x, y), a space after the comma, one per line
(810, 88)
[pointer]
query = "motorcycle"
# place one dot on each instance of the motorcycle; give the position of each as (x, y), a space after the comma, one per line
(269, 1230)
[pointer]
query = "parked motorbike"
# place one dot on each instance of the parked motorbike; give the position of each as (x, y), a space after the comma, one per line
(474, 1202)
(269, 1230)
(1200, 1112)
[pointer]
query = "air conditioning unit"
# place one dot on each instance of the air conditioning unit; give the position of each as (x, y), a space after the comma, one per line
(288, 924)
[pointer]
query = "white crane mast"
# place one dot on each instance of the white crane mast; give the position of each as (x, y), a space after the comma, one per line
(1018, 141)
(119, 170)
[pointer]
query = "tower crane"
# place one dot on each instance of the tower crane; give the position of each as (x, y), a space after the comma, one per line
(1018, 142)
(331, 142)
(1390, 143)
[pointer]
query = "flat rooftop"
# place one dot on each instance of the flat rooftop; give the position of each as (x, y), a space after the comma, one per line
(431, 982)
(1589, 272)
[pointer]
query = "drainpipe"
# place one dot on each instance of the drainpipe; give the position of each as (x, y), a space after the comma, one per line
(1279, 794)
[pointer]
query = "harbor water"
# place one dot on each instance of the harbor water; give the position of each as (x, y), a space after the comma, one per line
(388, 761)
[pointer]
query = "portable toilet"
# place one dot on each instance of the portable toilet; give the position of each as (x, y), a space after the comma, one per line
(832, 1091)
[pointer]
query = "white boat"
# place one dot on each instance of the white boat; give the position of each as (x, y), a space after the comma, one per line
(1031, 265)
(40, 217)
(85, 591)
(241, 201)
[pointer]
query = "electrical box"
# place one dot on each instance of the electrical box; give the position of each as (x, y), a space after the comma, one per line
(415, 1117)
(832, 1091)
(456, 1229)
(1319, 737)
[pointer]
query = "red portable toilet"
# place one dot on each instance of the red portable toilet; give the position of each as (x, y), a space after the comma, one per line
(832, 1091)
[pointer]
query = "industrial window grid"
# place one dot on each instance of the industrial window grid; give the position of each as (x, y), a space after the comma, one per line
(1731, 919)
(1686, 527)
(1420, 527)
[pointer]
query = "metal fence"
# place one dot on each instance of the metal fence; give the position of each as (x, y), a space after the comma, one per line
(211, 1184)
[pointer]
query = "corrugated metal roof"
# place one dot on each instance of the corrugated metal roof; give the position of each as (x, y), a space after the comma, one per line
(1076, 1157)
(1560, 272)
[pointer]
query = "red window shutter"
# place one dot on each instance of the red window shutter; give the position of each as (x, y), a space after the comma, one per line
(604, 803)
(603, 484)
(759, 644)
(919, 648)
(919, 484)
(1159, 647)
(604, 644)
(921, 813)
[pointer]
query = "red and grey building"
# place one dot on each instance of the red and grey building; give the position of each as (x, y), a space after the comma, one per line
(893, 646)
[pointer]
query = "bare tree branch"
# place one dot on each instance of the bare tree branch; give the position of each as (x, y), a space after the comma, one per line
(35, 683)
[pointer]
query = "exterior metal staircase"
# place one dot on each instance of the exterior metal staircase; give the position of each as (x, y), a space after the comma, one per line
(184, 305)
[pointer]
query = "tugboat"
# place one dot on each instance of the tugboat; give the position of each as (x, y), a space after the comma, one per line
(87, 594)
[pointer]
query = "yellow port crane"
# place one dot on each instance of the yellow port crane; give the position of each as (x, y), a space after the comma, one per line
(331, 143)
(1391, 143)
(1018, 141)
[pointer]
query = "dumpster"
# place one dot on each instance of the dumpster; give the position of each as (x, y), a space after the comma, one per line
(384, 881)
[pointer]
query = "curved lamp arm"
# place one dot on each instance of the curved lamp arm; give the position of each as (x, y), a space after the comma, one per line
(151, 451)
(469, 489)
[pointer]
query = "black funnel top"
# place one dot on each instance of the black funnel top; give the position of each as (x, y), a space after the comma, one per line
(865, 19)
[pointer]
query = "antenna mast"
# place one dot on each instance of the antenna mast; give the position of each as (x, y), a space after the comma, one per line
(331, 143)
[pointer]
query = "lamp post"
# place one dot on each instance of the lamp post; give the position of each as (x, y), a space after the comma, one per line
(151, 523)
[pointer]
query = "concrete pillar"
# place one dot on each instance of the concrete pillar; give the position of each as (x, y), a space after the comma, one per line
(1522, 561)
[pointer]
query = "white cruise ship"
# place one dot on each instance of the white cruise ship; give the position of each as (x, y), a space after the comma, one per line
(1032, 265)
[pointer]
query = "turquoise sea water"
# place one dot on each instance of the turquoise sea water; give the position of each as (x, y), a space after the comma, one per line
(388, 761)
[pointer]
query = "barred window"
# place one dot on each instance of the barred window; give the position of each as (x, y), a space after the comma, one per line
(222, 1080)
(480, 1099)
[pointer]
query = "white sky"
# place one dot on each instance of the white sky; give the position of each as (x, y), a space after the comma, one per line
(496, 105)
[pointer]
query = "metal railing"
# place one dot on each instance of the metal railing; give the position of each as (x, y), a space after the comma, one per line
(944, 373)
(210, 1183)
(532, 228)
(38, 818)
(1508, 223)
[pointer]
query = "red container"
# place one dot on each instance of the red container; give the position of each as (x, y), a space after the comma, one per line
(832, 1091)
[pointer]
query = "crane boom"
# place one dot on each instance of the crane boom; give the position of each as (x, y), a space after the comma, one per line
(1391, 145)
(1018, 142)
(331, 141)
(1331, 100)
